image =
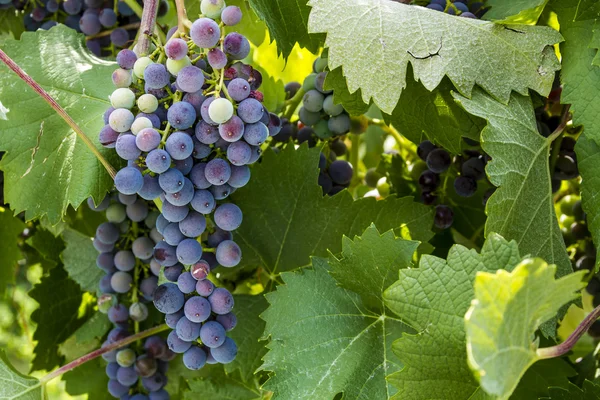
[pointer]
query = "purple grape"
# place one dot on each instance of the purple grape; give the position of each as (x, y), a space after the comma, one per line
(148, 286)
(108, 18)
(107, 233)
(172, 235)
(168, 298)
(229, 321)
(221, 301)
(218, 236)
(126, 147)
(124, 260)
(195, 99)
(177, 345)
(194, 358)
(158, 161)
(228, 217)
(186, 283)
(89, 24)
(183, 196)
(171, 181)
(236, 45)
(255, 134)
(217, 171)
(173, 272)
(152, 384)
(176, 49)
(181, 115)
(187, 330)
(193, 225)
(118, 314)
(240, 176)
(189, 251)
(161, 394)
(250, 111)
(186, 165)
(340, 172)
(119, 37)
(127, 376)
(239, 89)
(111, 370)
(204, 110)
(138, 211)
(228, 253)
(52, 6)
(105, 261)
(72, 7)
(255, 154)
(225, 353)
(108, 137)
(198, 177)
(203, 202)
(212, 334)
(172, 319)
(147, 139)
(205, 288)
(156, 76)
(200, 270)
(232, 130)
(121, 282)
(206, 134)
(174, 213)
(231, 15)
(239, 153)
(190, 79)
(205, 33)
(197, 309)
(216, 58)
(116, 389)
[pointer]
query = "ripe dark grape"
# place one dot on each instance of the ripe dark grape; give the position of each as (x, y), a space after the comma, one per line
(444, 216)
(438, 160)
(465, 186)
(225, 353)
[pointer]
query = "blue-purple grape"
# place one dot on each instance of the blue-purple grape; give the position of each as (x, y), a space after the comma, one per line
(198, 177)
(124, 260)
(197, 309)
(172, 319)
(225, 353)
(239, 153)
(189, 251)
(156, 76)
(221, 301)
(107, 233)
(217, 171)
(239, 89)
(187, 330)
(206, 133)
(181, 115)
(119, 37)
(190, 79)
(236, 45)
(118, 314)
(172, 235)
(177, 345)
(250, 111)
(228, 321)
(168, 298)
(126, 147)
(240, 176)
(203, 202)
(205, 33)
(205, 288)
(232, 130)
(171, 181)
(174, 213)
(194, 358)
(216, 58)
(193, 225)
(158, 161)
(121, 282)
(228, 217)
(228, 253)
(183, 196)
(137, 211)
(212, 334)
(255, 134)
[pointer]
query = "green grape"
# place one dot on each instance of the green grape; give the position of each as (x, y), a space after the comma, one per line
(566, 220)
(139, 124)
(147, 103)
(122, 98)
(332, 109)
(566, 204)
(309, 82)
(212, 8)
(320, 64)
(105, 302)
(383, 187)
(115, 213)
(140, 65)
(322, 130)
(174, 66)
(126, 358)
(220, 110)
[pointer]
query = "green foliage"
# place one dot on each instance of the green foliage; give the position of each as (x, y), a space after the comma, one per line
(516, 11)
(433, 300)
(10, 254)
(306, 223)
(507, 310)
(57, 317)
(437, 45)
(15, 386)
(590, 391)
(79, 258)
(522, 209)
(217, 385)
(89, 378)
(46, 167)
(11, 23)
(47, 245)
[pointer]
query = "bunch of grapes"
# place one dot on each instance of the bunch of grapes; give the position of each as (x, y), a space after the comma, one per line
(463, 8)
(469, 168)
(189, 120)
(109, 24)
(126, 243)
(320, 120)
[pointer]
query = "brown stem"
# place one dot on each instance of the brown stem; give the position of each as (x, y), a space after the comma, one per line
(147, 26)
(181, 16)
(60, 111)
(96, 353)
(567, 345)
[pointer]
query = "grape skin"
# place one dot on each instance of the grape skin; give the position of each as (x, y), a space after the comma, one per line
(228, 217)
(197, 309)
(205, 33)
(212, 334)
(228, 253)
(194, 358)
(168, 298)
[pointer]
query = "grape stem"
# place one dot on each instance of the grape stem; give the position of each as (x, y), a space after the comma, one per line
(182, 19)
(567, 345)
(59, 110)
(147, 26)
(390, 130)
(293, 103)
(96, 353)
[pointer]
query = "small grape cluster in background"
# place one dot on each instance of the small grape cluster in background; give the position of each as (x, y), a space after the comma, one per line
(321, 121)
(189, 120)
(463, 8)
(125, 244)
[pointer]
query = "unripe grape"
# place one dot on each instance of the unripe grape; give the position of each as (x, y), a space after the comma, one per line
(147, 103)
(138, 312)
(139, 124)
(122, 98)
(174, 66)
(126, 358)
(212, 8)
(220, 110)
(140, 65)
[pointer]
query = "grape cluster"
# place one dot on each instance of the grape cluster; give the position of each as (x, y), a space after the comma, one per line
(109, 24)
(469, 168)
(320, 120)
(463, 8)
(199, 123)
(125, 244)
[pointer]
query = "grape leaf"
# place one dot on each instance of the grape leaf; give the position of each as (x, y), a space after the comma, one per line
(287, 21)
(57, 317)
(79, 258)
(436, 44)
(330, 343)
(370, 263)
(15, 386)
(11, 22)
(522, 208)
(352, 102)
(88, 379)
(588, 162)
(3, 111)
(287, 219)
(586, 10)
(515, 11)
(273, 90)
(10, 254)
(46, 167)
(433, 299)
(47, 245)
(217, 385)
(590, 391)
(542, 375)
(580, 79)
(246, 334)
(507, 310)
(86, 338)
(434, 115)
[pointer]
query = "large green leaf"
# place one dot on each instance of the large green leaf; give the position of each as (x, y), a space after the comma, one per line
(217, 385)
(11, 22)
(507, 310)
(522, 208)
(14, 386)
(590, 391)
(88, 379)
(46, 167)
(79, 258)
(390, 35)
(10, 254)
(433, 299)
(352, 102)
(57, 317)
(329, 343)
(514, 11)
(47, 245)
(580, 79)
(423, 115)
(87, 338)
(369, 264)
(287, 219)
(287, 21)
(588, 162)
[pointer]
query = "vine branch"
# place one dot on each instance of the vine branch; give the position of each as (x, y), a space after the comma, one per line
(567, 345)
(59, 110)
(96, 353)
(147, 26)
(182, 18)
